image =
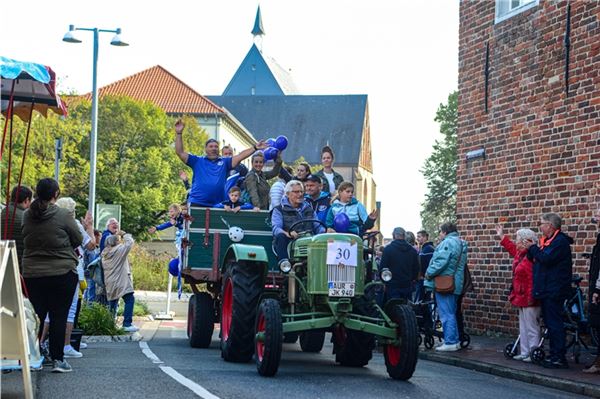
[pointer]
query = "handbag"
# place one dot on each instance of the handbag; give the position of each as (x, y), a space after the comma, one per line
(444, 284)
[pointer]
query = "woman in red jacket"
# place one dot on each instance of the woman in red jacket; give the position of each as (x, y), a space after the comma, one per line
(521, 294)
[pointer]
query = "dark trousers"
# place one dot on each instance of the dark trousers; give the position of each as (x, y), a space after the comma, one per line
(397, 293)
(552, 311)
(129, 302)
(280, 242)
(53, 295)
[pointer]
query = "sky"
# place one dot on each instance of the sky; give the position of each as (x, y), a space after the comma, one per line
(403, 55)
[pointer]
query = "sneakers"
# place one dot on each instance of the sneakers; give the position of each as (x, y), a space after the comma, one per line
(130, 328)
(555, 364)
(519, 357)
(61, 366)
(593, 369)
(448, 348)
(70, 352)
(527, 359)
(82, 345)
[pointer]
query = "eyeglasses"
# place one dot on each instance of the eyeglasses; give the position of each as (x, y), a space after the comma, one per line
(297, 191)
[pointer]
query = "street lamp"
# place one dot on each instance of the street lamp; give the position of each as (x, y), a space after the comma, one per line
(70, 37)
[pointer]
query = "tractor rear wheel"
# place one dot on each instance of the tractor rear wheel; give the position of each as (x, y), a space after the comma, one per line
(312, 341)
(201, 320)
(290, 338)
(268, 338)
(352, 348)
(241, 289)
(401, 359)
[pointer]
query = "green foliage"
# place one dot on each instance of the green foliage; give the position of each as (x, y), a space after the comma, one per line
(140, 308)
(96, 319)
(440, 168)
(150, 272)
(136, 162)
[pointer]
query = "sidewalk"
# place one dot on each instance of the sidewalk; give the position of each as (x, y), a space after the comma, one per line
(486, 355)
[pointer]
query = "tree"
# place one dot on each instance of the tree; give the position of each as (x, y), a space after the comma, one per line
(440, 168)
(136, 162)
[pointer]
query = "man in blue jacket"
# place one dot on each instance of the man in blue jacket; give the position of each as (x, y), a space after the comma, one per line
(449, 259)
(319, 200)
(403, 261)
(552, 272)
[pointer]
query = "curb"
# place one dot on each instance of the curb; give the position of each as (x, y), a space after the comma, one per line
(580, 388)
(135, 337)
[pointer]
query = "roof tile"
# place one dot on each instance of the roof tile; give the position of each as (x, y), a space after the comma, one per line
(164, 89)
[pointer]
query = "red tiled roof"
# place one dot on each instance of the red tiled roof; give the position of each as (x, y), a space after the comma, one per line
(161, 87)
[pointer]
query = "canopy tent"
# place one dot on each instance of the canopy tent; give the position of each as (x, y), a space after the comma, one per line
(27, 83)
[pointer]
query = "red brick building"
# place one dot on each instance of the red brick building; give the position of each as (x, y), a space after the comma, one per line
(528, 135)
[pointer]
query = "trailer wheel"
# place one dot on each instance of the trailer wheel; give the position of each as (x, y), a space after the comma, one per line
(201, 320)
(242, 286)
(268, 338)
(312, 341)
(401, 359)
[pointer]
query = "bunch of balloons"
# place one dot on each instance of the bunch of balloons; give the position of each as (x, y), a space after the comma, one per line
(275, 146)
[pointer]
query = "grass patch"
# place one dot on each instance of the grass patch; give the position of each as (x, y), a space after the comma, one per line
(150, 272)
(96, 319)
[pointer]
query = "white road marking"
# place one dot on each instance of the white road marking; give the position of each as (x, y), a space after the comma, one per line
(197, 389)
(149, 354)
(171, 372)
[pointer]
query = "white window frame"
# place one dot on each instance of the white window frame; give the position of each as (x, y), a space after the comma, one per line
(525, 5)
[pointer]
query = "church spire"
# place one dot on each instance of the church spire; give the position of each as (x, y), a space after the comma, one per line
(258, 26)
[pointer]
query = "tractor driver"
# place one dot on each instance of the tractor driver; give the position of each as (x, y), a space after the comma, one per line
(293, 208)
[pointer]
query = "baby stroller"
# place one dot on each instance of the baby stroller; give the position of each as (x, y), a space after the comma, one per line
(430, 325)
(575, 324)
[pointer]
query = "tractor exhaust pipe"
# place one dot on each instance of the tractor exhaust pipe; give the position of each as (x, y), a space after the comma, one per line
(292, 289)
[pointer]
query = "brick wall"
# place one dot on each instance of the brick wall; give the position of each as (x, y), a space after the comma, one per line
(542, 147)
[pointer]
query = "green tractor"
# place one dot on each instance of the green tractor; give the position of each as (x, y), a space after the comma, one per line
(325, 286)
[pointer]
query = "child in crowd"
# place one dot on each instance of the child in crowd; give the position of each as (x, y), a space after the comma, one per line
(176, 218)
(234, 204)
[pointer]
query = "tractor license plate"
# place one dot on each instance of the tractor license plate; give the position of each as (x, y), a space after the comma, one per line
(339, 289)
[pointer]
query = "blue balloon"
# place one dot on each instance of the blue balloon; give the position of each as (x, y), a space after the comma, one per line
(174, 267)
(271, 142)
(271, 153)
(281, 143)
(341, 223)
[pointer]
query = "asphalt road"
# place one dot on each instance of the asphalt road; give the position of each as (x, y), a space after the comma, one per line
(116, 370)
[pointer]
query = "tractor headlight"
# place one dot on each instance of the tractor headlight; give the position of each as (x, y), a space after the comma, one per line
(285, 266)
(386, 275)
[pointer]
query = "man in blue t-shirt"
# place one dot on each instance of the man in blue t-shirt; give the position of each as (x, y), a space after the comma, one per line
(211, 170)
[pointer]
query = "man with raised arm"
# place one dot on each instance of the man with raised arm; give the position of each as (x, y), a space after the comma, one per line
(210, 170)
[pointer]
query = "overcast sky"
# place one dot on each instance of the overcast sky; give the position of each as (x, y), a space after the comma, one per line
(403, 55)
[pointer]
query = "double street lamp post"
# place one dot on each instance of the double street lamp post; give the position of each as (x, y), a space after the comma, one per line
(70, 37)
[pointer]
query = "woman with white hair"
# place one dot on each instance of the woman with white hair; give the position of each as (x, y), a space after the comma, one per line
(521, 294)
(117, 276)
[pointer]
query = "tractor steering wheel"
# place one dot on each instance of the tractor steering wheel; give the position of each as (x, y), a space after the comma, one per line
(292, 227)
(368, 236)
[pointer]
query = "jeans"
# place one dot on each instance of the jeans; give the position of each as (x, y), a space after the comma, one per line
(53, 295)
(280, 242)
(128, 308)
(552, 314)
(446, 306)
(90, 292)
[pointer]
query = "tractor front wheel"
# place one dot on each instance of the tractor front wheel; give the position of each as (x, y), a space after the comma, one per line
(401, 359)
(268, 338)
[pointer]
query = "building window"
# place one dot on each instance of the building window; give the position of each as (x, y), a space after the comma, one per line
(508, 8)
